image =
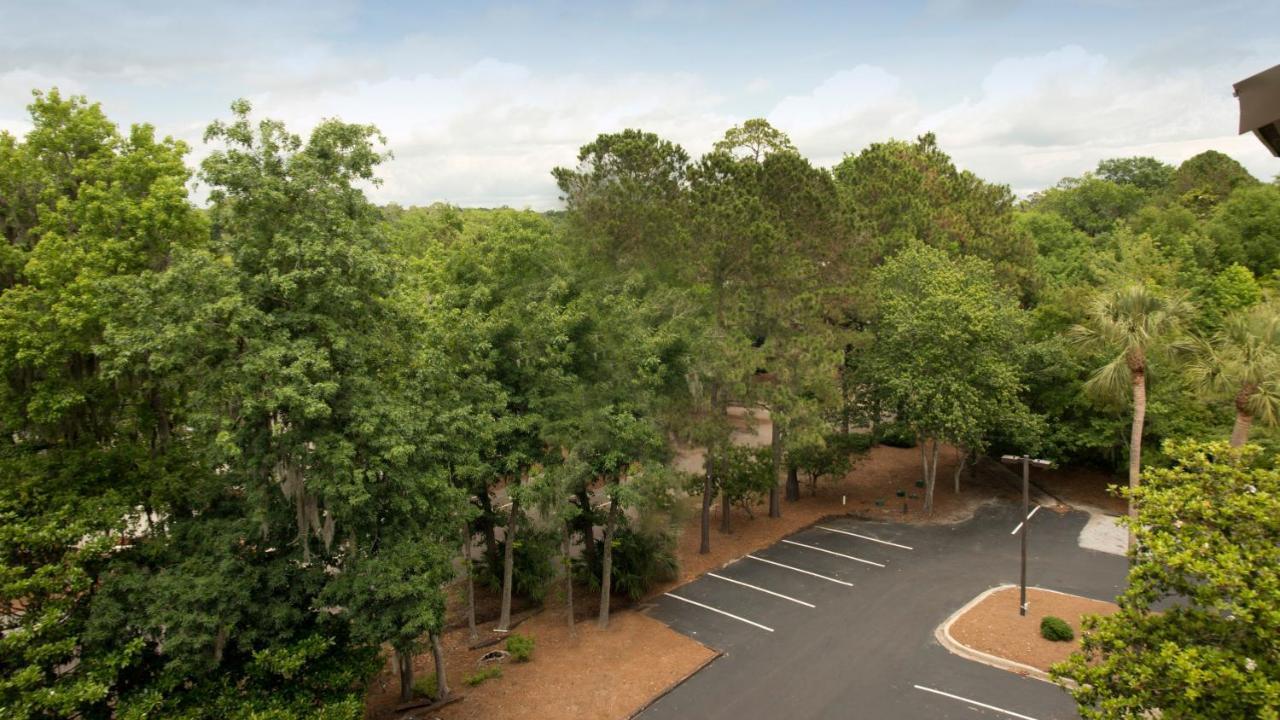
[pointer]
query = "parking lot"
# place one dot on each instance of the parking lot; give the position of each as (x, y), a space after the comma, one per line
(837, 620)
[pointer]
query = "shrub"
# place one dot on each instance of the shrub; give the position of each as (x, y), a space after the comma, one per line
(425, 686)
(641, 560)
(896, 435)
(520, 647)
(533, 564)
(832, 457)
(484, 673)
(1055, 629)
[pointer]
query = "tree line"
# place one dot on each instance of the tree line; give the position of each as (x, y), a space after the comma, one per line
(249, 445)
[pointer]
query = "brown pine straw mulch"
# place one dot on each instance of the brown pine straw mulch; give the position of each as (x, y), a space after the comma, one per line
(994, 626)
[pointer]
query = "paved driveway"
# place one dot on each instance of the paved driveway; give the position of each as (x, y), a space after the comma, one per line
(837, 621)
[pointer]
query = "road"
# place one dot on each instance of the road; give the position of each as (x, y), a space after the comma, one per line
(865, 649)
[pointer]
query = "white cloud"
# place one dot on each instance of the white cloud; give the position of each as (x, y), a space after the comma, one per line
(846, 111)
(491, 133)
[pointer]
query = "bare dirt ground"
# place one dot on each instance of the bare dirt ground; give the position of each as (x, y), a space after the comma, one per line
(1082, 487)
(994, 626)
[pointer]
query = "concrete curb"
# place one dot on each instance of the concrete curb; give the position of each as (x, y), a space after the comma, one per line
(671, 688)
(955, 647)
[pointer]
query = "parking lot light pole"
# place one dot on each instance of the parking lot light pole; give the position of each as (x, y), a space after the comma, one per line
(1026, 461)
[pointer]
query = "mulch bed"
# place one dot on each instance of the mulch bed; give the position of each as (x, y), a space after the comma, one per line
(994, 626)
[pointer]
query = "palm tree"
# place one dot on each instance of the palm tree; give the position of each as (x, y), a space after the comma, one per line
(1242, 361)
(1129, 323)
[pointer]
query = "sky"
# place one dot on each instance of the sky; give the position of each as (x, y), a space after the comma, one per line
(479, 101)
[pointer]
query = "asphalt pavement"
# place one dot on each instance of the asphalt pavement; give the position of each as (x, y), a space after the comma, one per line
(837, 621)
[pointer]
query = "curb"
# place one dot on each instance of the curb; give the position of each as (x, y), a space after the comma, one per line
(672, 687)
(943, 635)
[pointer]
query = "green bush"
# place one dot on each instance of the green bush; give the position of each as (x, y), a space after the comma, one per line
(425, 686)
(520, 647)
(533, 564)
(1055, 629)
(485, 673)
(640, 560)
(896, 435)
(831, 457)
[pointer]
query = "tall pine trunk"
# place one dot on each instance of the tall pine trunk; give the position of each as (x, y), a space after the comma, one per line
(404, 664)
(1135, 442)
(508, 565)
(706, 504)
(606, 563)
(1244, 418)
(793, 483)
(490, 536)
(775, 442)
(568, 577)
(585, 526)
(472, 634)
(442, 683)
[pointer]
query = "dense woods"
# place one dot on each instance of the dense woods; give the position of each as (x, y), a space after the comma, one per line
(247, 441)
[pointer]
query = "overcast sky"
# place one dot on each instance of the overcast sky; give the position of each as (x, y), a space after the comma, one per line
(479, 101)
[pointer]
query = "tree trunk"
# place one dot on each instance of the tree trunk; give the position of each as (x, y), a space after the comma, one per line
(1135, 443)
(775, 441)
(726, 507)
(845, 402)
(930, 473)
(793, 483)
(508, 565)
(585, 527)
(472, 634)
(964, 455)
(404, 662)
(568, 578)
(606, 564)
(706, 505)
(490, 537)
(1244, 419)
(442, 684)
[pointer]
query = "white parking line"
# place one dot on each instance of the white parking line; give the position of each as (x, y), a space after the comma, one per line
(864, 537)
(1033, 512)
(753, 587)
(832, 552)
(1010, 713)
(715, 610)
(806, 572)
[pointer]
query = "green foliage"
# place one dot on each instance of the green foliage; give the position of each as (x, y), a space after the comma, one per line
(1146, 173)
(1055, 629)
(489, 672)
(899, 192)
(832, 457)
(1092, 205)
(640, 561)
(533, 564)
(426, 686)
(896, 434)
(1246, 228)
(520, 647)
(1204, 180)
(1197, 632)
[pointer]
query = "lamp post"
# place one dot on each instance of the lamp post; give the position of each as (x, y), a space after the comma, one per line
(1026, 461)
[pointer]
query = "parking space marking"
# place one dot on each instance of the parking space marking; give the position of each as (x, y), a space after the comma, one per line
(832, 552)
(1010, 713)
(864, 537)
(1033, 512)
(806, 572)
(716, 610)
(767, 592)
